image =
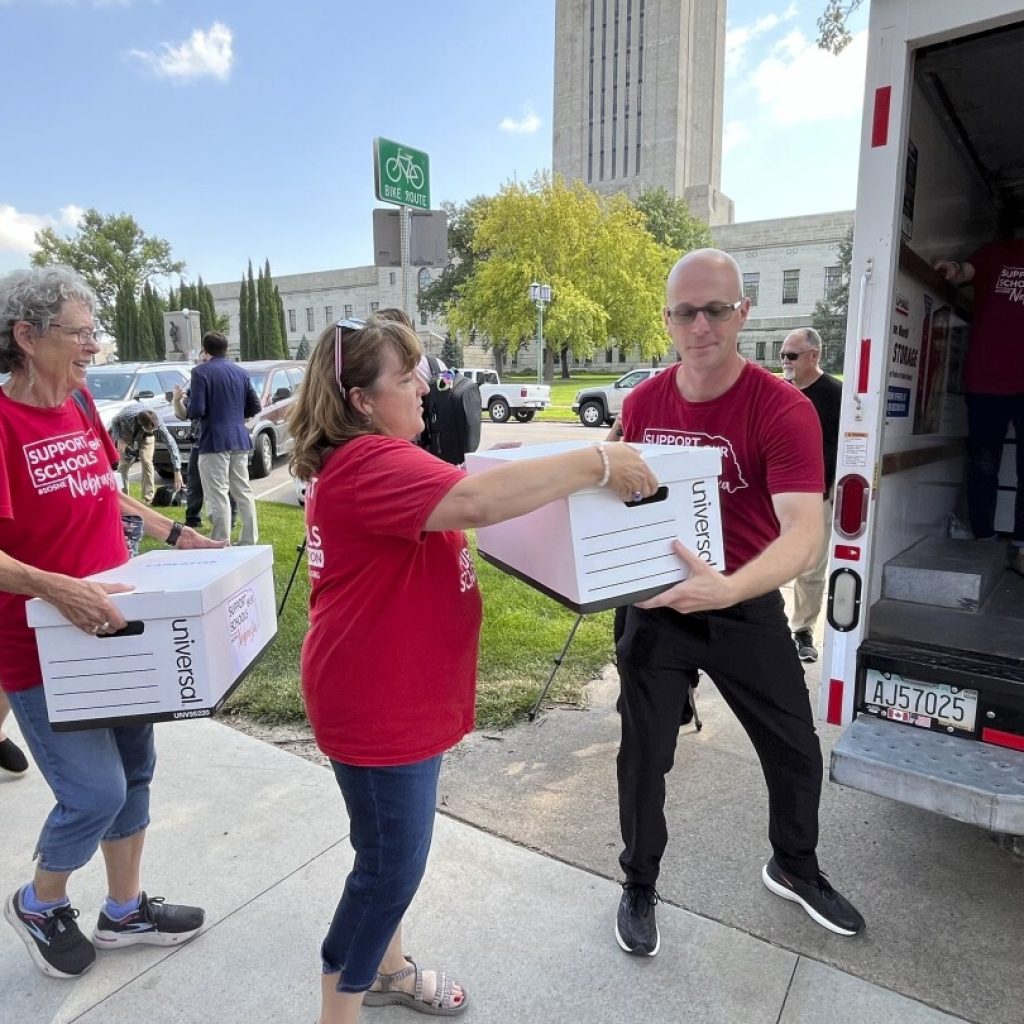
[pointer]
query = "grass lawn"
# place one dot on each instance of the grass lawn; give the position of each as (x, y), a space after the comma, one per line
(523, 632)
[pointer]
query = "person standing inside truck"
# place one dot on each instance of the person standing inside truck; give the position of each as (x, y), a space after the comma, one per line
(60, 520)
(732, 624)
(801, 356)
(994, 381)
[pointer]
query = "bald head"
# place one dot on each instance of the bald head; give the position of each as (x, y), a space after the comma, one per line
(703, 261)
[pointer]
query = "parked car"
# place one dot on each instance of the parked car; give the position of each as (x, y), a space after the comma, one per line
(599, 406)
(115, 385)
(275, 381)
(503, 401)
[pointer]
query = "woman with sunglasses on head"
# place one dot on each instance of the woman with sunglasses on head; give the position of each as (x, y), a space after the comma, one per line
(60, 520)
(389, 663)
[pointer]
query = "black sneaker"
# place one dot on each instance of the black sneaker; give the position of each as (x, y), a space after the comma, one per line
(155, 923)
(53, 939)
(635, 927)
(12, 760)
(805, 645)
(818, 898)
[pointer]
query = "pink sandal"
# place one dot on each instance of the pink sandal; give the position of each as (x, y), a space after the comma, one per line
(442, 1005)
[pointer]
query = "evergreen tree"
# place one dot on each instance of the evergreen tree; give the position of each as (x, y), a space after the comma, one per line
(243, 321)
(153, 312)
(126, 325)
(274, 344)
(304, 349)
(831, 313)
(252, 330)
(450, 353)
(285, 352)
(146, 341)
(172, 301)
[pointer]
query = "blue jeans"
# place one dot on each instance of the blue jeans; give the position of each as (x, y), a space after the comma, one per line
(99, 777)
(391, 814)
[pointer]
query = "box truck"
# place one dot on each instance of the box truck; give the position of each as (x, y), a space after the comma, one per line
(923, 660)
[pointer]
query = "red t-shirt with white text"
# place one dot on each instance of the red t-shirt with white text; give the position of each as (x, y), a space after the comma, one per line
(59, 511)
(995, 356)
(769, 436)
(389, 663)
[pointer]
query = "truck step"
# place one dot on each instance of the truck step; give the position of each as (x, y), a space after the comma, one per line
(962, 779)
(944, 573)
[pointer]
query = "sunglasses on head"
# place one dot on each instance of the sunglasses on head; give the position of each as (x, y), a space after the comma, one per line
(347, 326)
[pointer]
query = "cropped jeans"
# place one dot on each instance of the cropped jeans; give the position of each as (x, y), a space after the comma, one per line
(391, 814)
(99, 777)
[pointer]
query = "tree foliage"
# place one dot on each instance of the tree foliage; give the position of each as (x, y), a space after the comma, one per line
(113, 254)
(833, 34)
(607, 273)
(670, 221)
(451, 351)
(462, 257)
(304, 348)
(831, 313)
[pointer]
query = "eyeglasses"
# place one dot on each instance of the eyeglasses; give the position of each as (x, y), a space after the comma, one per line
(791, 357)
(84, 335)
(350, 324)
(713, 311)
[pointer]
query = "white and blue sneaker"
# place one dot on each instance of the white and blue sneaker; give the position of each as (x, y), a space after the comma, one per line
(52, 937)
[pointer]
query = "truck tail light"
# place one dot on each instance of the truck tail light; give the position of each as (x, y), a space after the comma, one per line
(834, 714)
(522, 392)
(851, 515)
(844, 589)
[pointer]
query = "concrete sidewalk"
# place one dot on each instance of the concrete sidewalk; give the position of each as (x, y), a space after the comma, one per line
(258, 837)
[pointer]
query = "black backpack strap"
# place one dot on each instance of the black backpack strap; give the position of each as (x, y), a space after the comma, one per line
(89, 411)
(435, 366)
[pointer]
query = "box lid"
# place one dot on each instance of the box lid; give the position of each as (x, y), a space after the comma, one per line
(667, 461)
(171, 582)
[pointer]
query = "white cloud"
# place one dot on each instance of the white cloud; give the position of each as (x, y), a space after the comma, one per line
(737, 39)
(734, 134)
(18, 229)
(203, 53)
(797, 83)
(526, 125)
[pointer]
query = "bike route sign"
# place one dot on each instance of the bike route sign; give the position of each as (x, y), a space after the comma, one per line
(400, 174)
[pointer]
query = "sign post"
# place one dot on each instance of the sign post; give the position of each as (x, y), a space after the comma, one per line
(401, 175)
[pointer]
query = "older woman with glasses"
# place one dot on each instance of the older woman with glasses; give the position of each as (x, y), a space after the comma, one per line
(60, 520)
(389, 663)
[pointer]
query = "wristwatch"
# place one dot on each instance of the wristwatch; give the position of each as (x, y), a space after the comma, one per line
(172, 537)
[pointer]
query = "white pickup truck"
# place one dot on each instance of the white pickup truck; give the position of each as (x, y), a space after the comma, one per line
(600, 405)
(503, 401)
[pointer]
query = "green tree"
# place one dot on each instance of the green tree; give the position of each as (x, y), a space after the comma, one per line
(606, 271)
(831, 313)
(304, 349)
(126, 325)
(152, 310)
(252, 307)
(284, 352)
(243, 320)
(451, 351)
(833, 33)
(671, 223)
(112, 253)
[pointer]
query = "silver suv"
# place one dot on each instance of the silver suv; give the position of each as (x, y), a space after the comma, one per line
(114, 385)
(598, 406)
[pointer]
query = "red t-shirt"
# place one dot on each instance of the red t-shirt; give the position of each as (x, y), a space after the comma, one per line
(389, 663)
(769, 436)
(995, 356)
(59, 511)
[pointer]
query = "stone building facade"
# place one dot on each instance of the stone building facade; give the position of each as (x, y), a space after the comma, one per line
(639, 86)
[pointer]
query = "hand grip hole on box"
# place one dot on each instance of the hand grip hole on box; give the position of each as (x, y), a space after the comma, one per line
(134, 628)
(659, 495)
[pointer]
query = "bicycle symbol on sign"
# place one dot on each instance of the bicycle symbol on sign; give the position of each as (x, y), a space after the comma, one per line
(401, 166)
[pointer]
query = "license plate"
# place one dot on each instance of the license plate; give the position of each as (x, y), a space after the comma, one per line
(923, 704)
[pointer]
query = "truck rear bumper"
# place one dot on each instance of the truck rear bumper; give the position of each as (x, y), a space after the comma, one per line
(973, 782)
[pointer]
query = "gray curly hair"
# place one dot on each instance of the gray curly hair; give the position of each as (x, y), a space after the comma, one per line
(36, 295)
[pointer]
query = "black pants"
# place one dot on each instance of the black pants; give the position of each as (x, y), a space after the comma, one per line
(988, 417)
(749, 654)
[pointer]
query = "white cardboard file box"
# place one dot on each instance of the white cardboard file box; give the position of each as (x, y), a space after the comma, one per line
(591, 551)
(197, 622)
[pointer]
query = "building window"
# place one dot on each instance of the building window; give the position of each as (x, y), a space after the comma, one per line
(759, 351)
(833, 282)
(310, 323)
(348, 311)
(291, 321)
(790, 286)
(515, 358)
(424, 278)
(423, 318)
(391, 277)
(607, 355)
(622, 355)
(374, 306)
(751, 284)
(328, 316)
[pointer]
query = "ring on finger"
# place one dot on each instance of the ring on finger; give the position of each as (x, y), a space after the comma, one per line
(638, 495)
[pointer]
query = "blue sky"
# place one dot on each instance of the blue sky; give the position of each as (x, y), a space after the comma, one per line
(237, 131)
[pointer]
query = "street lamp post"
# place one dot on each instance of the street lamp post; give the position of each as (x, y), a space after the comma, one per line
(540, 295)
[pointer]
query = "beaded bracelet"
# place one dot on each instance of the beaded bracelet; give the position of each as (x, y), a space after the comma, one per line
(603, 482)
